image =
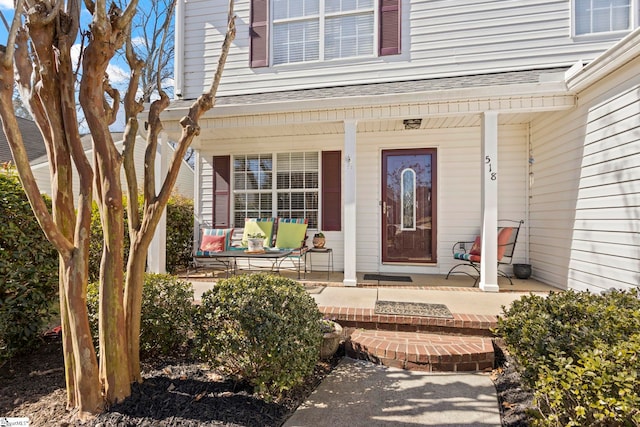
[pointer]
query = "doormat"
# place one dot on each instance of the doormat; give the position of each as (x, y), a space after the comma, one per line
(412, 309)
(385, 278)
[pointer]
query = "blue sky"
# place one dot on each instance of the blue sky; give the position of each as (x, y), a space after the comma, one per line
(118, 70)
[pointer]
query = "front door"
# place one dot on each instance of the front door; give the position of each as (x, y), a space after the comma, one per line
(408, 206)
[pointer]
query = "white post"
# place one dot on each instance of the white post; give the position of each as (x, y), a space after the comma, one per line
(157, 253)
(349, 228)
(197, 185)
(489, 261)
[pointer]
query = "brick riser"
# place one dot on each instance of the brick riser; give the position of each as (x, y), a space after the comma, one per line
(366, 318)
(421, 351)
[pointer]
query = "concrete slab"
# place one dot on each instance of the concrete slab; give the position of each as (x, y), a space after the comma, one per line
(359, 393)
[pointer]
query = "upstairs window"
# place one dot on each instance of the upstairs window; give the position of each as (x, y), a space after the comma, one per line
(295, 31)
(311, 30)
(602, 16)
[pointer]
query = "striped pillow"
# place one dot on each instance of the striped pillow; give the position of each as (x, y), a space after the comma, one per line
(211, 241)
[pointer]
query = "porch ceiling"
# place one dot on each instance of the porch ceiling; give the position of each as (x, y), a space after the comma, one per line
(237, 132)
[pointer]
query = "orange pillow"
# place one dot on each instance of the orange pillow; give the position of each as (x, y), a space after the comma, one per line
(213, 243)
(503, 238)
(477, 247)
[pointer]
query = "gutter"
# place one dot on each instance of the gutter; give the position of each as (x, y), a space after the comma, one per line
(580, 77)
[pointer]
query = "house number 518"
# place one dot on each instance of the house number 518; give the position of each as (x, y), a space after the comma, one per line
(493, 175)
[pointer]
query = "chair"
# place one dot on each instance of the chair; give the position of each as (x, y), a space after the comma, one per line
(508, 231)
(263, 226)
(212, 241)
(291, 234)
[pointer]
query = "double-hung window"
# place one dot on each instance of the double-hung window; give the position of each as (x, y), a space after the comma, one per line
(311, 30)
(298, 31)
(292, 194)
(603, 16)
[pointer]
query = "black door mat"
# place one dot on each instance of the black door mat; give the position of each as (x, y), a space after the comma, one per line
(412, 309)
(385, 278)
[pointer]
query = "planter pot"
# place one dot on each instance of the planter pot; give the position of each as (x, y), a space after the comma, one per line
(255, 245)
(331, 342)
(318, 242)
(522, 271)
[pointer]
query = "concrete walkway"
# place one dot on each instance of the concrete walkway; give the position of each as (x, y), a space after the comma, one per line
(359, 393)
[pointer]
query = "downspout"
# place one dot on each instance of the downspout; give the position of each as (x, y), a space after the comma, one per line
(178, 63)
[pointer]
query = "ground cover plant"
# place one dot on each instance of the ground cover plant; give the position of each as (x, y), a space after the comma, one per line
(579, 353)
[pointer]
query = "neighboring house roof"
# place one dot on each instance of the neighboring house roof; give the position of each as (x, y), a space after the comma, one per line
(33, 142)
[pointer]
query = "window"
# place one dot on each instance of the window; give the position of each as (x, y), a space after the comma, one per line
(295, 189)
(297, 31)
(302, 31)
(602, 16)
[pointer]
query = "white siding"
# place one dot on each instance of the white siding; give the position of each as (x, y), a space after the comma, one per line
(439, 38)
(585, 209)
(459, 166)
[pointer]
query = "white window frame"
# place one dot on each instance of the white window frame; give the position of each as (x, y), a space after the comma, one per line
(274, 190)
(634, 12)
(321, 17)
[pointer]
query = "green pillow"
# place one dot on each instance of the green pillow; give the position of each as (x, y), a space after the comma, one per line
(290, 235)
(251, 226)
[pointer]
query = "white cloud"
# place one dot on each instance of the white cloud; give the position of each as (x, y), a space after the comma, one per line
(6, 4)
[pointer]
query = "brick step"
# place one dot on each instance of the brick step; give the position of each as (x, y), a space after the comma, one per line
(366, 318)
(422, 351)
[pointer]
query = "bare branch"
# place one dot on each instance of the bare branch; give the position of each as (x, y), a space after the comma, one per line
(128, 14)
(165, 30)
(11, 40)
(228, 38)
(54, 12)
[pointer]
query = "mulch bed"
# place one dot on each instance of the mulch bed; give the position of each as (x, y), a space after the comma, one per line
(185, 393)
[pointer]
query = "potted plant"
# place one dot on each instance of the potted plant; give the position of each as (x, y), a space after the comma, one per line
(331, 336)
(255, 242)
(318, 240)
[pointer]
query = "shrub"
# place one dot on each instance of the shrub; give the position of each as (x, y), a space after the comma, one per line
(179, 233)
(28, 271)
(578, 353)
(167, 313)
(600, 387)
(179, 236)
(260, 328)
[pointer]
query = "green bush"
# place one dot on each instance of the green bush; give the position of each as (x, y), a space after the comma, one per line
(600, 387)
(260, 328)
(28, 271)
(179, 236)
(577, 352)
(167, 313)
(179, 233)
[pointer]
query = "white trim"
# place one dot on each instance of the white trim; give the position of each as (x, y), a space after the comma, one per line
(613, 59)
(350, 203)
(490, 176)
(179, 50)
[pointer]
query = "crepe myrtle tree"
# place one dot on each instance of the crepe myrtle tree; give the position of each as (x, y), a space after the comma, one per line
(37, 59)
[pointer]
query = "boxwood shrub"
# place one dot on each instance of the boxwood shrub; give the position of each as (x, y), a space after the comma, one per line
(167, 315)
(578, 352)
(260, 328)
(28, 270)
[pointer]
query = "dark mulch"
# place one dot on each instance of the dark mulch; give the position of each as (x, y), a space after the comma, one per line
(514, 401)
(174, 393)
(186, 393)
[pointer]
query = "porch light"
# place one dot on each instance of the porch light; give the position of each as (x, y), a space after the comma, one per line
(412, 123)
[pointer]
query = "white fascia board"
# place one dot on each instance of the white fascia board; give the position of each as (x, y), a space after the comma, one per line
(489, 93)
(612, 59)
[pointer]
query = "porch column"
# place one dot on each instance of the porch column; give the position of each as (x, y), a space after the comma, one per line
(489, 260)
(157, 253)
(197, 185)
(349, 209)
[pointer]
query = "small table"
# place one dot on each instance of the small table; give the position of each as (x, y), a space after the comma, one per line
(329, 252)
